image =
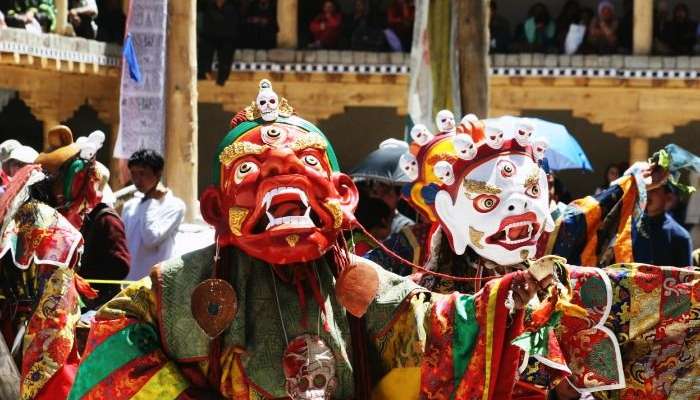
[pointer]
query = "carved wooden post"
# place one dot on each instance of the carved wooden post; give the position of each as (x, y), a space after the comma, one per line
(643, 31)
(181, 95)
(61, 16)
(287, 20)
(473, 41)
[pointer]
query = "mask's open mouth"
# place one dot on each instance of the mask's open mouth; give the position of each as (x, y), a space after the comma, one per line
(516, 231)
(286, 208)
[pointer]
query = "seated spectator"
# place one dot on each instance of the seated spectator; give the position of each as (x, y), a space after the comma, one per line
(326, 27)
(499, 28)
(570, 14)
(602, 31)
(2, 20)
(612, 173)
(81, 15)
(363, 30)
(537, 33)
(219, 35)
(260, 27)
(32, 15)
(111, 22)
(680, 33)
(400, 16)
(152, 217)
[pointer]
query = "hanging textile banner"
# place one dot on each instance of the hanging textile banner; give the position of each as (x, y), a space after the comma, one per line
(142, 95)
(434, 81)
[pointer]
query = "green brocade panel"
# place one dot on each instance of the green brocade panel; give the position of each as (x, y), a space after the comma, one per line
(257, 327)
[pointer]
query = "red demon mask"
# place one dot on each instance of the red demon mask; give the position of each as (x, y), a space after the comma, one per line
(279, 196)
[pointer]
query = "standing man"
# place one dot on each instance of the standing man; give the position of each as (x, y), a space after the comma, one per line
(663, 240)
(152, 217)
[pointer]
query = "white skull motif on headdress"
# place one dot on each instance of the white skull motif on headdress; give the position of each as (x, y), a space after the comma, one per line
(309, 368)
(267, 101)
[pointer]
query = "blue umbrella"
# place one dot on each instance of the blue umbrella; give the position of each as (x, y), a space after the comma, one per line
(564, 152)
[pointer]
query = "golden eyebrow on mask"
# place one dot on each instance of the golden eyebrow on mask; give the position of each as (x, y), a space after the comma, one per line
(312, 140)
(479, 187)
(533, 179)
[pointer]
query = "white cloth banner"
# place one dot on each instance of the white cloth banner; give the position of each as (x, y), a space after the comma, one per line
(142, 105)
(420, 91)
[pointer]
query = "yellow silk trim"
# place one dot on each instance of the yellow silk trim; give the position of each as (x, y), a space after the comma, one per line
(399, 383)
(490, 321)
(233, 383)
(593, 214)
(167, 383)
(623, 242)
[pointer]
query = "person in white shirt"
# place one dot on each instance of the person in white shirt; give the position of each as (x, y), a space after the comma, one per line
(152, 217)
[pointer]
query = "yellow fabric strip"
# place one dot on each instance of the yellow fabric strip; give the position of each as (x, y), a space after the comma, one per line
(164, 385)
(399, 383)
(490, 321)
(623, 242)
(591, 210)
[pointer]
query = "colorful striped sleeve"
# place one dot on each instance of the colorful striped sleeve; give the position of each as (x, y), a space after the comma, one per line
(123, 357)
(598, 230)
(451, 346)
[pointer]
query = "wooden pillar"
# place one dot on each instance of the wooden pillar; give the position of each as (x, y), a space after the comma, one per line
(181, 95)
(61, 16)
(473, 39)
(288, 22)
(643, 31)
(49, 119)
(639, 149)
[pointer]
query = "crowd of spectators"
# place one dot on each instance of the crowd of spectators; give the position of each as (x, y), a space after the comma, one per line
(86, 18)
(368, 26)
(584, 30)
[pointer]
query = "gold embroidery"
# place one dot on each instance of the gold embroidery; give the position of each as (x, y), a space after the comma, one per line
(237, 150)
(252, 112)
(285, 109)
(236, 216)
(479, 187)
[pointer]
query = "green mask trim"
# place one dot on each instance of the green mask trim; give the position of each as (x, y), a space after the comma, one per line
(246, 126)
(73, 169)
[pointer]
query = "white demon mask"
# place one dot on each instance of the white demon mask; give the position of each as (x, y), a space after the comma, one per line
(445, 121)
(500, 209)
(267, 101)
(420, 134)
(523, 132)
(409, 165)
(309, 369)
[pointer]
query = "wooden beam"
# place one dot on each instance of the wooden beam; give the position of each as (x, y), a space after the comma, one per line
(643, 26)
(181, 95)
(287, 20)
(473, 39)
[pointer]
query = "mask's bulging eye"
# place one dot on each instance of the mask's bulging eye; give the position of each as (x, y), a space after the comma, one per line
(311, 161)
(507, 168)
(485, 203)
(245, 169)
(533, 191)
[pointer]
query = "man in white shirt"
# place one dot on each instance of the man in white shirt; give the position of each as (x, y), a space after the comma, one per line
(152, 217)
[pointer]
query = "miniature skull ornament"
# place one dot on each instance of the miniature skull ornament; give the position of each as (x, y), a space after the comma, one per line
(494, 137)
(464, 147)
(309, 369)
(420, 134)
(445, 121)
(523, 132)
(409, 165)
(539, 147)
(443, 170)
(267, 101)
(469, 118)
